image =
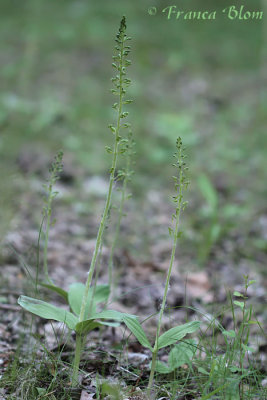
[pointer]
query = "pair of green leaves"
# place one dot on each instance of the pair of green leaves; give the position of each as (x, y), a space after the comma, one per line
(49, 311)
(74, 299)
(166, 339)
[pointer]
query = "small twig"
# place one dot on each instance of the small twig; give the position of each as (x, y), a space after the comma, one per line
(9, 307)
(6, 292)
(129, 372)
(137, 382)
(48, 394)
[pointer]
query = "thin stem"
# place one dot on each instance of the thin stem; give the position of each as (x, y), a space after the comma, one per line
(175, 237)
(96, 279)
(37, 269)
(241, 334)
(47, 230)
(155, 349)
(117, 230)
(38, 257)
(77, 357)
(152, 370)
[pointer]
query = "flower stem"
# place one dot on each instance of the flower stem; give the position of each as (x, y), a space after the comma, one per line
(180, 184)
(126, 178)
(55, 170)
(47, 229)
(120, 82)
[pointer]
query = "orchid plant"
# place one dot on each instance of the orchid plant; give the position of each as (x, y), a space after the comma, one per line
(84, 300)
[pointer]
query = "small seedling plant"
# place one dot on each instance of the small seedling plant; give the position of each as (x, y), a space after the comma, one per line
(237, 340)
(227, 370)
(83, 299)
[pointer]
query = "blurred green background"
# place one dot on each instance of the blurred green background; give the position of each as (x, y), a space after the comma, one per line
(202, 80)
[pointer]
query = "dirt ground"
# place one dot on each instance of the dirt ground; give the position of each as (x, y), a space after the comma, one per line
(141, 261)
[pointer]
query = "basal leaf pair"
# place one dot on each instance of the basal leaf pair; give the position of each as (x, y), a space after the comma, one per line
(74, 298)
(166, 339)
(49, 311)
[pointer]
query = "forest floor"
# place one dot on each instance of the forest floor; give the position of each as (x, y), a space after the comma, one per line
(141, 262)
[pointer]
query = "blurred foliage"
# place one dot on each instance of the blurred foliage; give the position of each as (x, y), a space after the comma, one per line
(202, 80)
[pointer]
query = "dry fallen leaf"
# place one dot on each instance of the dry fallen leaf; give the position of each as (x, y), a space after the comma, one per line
(86, 396)
(198, 285)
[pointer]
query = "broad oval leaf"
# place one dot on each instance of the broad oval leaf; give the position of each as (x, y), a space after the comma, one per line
(86, 326)
(107, 323)
(101, 293)
(162, 367)
(177, 333)
(181, 354)
(56, 289)
(47, 311)
(136, 328)
(75, 297)
(109, 314)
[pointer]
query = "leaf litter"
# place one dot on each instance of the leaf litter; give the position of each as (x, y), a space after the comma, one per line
(139, 286)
